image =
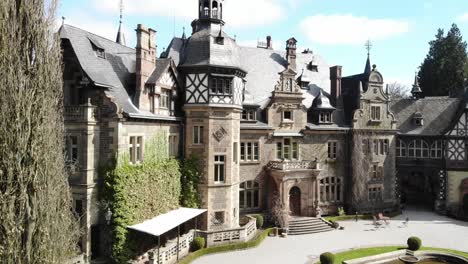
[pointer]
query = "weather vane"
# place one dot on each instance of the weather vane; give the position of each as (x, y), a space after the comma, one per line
(368, 46)
(121, 10)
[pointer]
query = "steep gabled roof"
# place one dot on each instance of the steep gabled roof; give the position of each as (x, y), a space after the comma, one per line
(437, 112)
(114, 72)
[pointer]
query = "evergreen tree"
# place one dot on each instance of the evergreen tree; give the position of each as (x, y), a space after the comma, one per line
(443, 71)
(36, 223)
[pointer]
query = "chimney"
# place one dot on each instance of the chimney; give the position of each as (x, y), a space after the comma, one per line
(145, 64)
(335, 89)
(291, 53)
(269, 43)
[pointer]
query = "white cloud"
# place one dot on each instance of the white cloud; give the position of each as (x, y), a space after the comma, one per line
(463, 18)
(237, 13)
(348, 29)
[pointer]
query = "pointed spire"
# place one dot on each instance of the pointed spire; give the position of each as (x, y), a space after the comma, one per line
(184, 37)
(120, 35)
(367, 69)
(416, 91)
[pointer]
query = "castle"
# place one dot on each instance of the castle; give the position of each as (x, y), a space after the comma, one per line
(267, 124)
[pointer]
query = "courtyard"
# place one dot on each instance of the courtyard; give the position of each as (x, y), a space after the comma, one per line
(434, 230)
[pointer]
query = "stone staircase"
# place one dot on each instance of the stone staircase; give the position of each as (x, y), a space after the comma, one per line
(307, 225)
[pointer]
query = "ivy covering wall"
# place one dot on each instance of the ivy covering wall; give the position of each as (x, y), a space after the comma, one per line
(136, 193)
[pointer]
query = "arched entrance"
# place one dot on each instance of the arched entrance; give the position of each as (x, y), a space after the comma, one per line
(419, 188)
(295, 201)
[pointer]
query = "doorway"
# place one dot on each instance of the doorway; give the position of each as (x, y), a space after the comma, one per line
(295, 201)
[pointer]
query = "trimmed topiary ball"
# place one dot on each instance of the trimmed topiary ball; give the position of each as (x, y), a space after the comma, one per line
(259, 221)
(414, 243)
(327, 258)
(197, 243)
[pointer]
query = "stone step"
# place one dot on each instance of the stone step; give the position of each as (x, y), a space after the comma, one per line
(306, 232)
(302, 225)
(307, 225)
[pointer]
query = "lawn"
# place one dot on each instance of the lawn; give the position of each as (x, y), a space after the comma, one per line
(366, 252)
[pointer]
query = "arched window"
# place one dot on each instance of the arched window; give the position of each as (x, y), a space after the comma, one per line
(330, 189)
(436, 149)
(215, 5)
(249, 195)
(401, 149)
(418, 149)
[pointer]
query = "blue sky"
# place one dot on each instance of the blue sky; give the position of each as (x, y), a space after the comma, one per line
(335, 29)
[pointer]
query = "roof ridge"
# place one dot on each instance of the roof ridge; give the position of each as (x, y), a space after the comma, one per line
(96, 35)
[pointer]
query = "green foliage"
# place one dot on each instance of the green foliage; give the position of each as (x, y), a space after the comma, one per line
(197, 244)
(444, 68)
(334, 224)
(190, 177)
(36, 220)
(341, 211)
(414, 243)
(136, 193)
(224, 248)
(260, 221)
(327, 258)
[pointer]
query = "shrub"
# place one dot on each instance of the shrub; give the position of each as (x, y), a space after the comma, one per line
(259, 221)
(334, 224)
(327, 258)
(414, 243)
(197, 243)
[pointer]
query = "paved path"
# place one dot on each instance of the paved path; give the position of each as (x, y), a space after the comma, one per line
(434, 230)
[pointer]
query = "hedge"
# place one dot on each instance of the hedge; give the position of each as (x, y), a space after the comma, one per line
(224, 248)
(327, 258)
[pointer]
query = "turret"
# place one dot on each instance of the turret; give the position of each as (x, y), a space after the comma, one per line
(211, 10)
(291, 53)
(416, 91)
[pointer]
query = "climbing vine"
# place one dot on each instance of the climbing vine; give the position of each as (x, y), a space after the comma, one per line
(190, 177)
(136, 193)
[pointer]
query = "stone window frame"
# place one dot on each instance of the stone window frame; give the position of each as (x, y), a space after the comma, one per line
(173, 146)
(220, 86)
(331, 189)
(197, 133)
(165, 99)
(376, 172)
(332, 149)
(253, 152)
(293, 148)
(291, 116)
(252, 188)
(72, 148)
(219, 166)
(219, 218)
(249, 115)
(375, 193)
(325, 117)
(375, 113)
(135, 148)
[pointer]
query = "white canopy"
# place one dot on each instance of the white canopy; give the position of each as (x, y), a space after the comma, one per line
(165, 222)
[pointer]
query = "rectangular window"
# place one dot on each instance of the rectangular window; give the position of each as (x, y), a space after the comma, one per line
(365, 145)
(79, 208)
(220, 86)
(375, 113)
(249, 151)
(375, 194)
(287, 116)
(152, 104)
(332, 147)
(279, 150)
(72, 148)
(295, 150)
(375, 169)
(136, 150)
(386, 146)
(165, 98)
(198, 135)
(287, 149)
(376, 147)
(173, 146)
(325, 117)
(381, 142)
(218, 218)
(219, 168)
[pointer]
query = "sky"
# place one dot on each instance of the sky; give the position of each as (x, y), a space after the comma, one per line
(337, 30)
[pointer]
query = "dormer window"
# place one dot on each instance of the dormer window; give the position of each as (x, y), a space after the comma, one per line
(418, 119)
(325, 117)
(249, 115)
(304, 85)
(98, 49)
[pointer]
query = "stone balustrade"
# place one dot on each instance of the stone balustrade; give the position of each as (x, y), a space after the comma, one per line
(294, 165)
(80, 113)
(242, 234)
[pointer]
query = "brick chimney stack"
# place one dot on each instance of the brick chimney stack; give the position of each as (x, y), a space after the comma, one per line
(291, 53)
(145, 63)
(269, 42)
(335, 89)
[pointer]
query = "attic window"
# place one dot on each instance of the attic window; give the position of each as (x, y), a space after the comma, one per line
(418, 119)
(312, 67)
(219, 40)
(325, 117)
(98, 49)
(304, 85)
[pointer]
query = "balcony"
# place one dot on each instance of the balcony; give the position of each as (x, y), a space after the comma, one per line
(80, 113)
(294, 165)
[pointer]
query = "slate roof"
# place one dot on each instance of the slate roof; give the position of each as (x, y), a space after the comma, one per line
(114, 72)
(262, 65)
(438, 113)
(161, 67)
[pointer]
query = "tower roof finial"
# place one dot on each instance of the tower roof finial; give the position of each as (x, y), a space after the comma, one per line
(368, 46)
(120, 35)
(416, 91)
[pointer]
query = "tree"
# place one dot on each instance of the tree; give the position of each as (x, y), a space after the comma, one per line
(36, 221)
(443, 70)
(397, 91)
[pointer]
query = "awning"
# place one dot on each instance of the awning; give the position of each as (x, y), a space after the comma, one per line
(287, 134)
(163, 223)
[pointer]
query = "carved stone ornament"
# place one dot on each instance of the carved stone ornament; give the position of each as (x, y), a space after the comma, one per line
(220, 134)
